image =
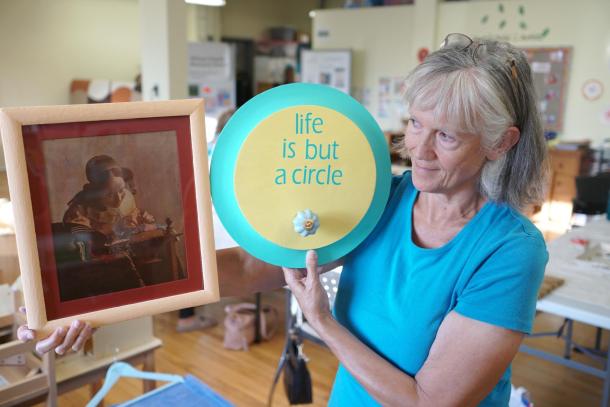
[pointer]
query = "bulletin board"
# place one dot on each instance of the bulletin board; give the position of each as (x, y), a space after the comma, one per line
(550, 69)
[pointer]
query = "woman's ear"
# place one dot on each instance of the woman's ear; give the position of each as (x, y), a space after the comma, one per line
(509, 139)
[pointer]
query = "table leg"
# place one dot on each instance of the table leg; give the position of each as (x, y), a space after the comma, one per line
(606, 393)
(567, 353)
(598, 339)
(94, 388)
(257, 319)
(149, 366)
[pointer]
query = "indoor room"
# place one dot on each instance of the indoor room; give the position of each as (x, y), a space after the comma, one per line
(316, 202)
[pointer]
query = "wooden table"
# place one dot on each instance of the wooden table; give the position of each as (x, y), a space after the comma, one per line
(84, 370)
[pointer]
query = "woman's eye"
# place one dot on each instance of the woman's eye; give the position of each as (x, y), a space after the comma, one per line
(446, 138)
(415, 123)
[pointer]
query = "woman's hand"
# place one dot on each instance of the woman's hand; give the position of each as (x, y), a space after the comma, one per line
(306, 287)
(61, 340)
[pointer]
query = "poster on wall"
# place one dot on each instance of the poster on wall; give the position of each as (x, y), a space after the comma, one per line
(300, 167)
(211, 75)
(550, 68)
(326, 67)
(391, 106)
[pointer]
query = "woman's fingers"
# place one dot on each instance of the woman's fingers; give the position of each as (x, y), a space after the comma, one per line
(295, 284)
(84, 335)
(73, 333)
(62, 339)
(52, 341)
(25, 334)
(311, 261)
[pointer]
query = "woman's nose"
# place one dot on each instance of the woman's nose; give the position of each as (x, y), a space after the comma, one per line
(424, 149)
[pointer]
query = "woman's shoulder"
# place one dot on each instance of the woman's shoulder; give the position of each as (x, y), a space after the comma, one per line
(508, 223)
(401, 183)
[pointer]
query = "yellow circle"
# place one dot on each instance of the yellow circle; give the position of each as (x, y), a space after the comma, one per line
(305, 157)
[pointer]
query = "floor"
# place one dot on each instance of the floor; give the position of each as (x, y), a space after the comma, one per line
(244, 378)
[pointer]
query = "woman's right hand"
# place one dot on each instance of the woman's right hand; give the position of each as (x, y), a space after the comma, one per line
(61, 340)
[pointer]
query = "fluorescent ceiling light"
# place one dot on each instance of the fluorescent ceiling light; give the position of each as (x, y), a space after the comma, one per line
(215, 3)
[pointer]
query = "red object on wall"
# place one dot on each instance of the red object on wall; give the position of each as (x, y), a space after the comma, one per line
(422, 53)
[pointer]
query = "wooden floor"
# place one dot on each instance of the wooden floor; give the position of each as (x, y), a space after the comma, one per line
(244, 378)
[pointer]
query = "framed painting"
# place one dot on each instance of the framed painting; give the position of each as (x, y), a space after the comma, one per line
(112, 209)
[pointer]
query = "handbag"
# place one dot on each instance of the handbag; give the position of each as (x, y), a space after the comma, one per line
(240, 324)
(297, 380)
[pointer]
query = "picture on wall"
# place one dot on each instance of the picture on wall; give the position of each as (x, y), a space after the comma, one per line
(116, 218)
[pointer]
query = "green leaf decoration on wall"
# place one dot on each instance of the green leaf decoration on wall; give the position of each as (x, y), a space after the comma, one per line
(502, 20)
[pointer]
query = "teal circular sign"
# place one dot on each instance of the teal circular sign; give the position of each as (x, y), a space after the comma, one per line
(298, 167)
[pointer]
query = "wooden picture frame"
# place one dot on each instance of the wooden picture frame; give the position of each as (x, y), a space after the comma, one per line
(129, 263)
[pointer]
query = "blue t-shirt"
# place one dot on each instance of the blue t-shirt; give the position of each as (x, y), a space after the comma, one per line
(393, 295)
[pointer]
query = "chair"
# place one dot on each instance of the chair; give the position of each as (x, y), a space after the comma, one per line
(591, 194)
(297, 326)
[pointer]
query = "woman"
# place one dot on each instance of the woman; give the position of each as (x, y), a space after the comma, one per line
(433, 305)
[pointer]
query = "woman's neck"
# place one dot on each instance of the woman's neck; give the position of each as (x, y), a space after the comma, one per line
(438, 218)
(457, 208)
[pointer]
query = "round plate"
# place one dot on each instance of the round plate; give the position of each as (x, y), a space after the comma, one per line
(295, 148)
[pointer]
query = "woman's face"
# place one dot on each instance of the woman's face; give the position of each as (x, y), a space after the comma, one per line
(114, 192)
(444, 161)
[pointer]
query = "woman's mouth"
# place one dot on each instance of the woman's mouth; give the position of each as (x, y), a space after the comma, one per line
(424, 167)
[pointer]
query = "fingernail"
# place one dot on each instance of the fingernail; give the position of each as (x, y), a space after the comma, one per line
(59, 350)
(29, 336)
(76, 323)
(75, 348)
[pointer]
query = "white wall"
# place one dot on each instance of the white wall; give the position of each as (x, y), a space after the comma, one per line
(381, 42)
(46, 44)
(163, 50)
(385, 42)
(251, 18)
(583, 25)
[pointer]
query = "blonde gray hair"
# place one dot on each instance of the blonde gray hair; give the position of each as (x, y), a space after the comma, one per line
(484, 89)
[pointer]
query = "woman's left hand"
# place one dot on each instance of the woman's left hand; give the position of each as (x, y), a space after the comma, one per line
(308, 291)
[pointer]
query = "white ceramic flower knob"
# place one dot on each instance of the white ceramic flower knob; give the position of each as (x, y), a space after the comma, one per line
(306, 223)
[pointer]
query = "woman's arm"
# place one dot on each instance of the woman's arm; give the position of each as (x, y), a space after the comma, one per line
(466, 361)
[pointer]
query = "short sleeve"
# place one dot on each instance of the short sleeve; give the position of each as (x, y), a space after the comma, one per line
(504, 290)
